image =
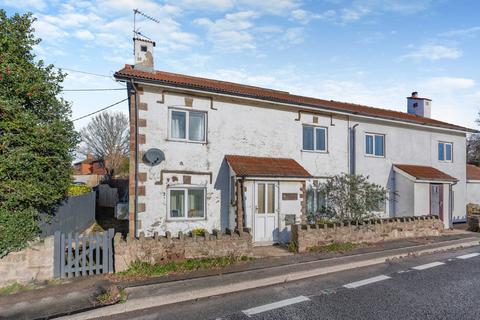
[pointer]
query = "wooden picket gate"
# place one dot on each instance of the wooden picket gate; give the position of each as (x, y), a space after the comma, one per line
(80, 255)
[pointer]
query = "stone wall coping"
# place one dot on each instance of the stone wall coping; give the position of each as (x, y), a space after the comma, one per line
(374, 221)
(216, 235)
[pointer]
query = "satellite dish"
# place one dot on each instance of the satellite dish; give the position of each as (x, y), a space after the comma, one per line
(153, 156)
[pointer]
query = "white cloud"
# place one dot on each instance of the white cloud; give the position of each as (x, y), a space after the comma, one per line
(25, 4)
(469, 32)
(433, 52)
(48, 31)
(293, 36)
(84, 35)
(442, 84)
(304, 16)
(233, 32)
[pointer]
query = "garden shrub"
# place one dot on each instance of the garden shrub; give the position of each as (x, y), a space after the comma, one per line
(78, 189)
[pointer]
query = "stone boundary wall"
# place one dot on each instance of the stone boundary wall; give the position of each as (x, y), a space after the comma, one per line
(307, 237)
(163, 249)
(34, 263)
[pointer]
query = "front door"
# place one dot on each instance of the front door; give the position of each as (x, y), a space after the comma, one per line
(436, 200)
(266, 212)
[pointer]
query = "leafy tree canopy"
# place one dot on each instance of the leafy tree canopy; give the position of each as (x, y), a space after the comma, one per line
(37, 138)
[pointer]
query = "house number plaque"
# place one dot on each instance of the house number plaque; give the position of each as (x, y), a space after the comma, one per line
(289, 196)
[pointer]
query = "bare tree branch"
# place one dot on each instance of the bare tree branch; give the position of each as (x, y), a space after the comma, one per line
(107, 137)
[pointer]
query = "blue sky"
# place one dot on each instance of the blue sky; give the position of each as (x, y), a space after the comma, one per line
(373, 52)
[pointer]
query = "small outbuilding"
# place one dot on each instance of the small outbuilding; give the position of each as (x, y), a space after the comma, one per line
(423, 190)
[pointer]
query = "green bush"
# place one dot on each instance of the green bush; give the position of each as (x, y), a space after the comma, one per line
(37, 137)
(78, 189)
(199, 232)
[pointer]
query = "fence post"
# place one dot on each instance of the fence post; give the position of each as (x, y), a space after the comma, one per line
(105, 252)
(56, 254)
(111, 235)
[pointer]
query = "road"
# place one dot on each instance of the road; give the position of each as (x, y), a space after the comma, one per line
(439, 286)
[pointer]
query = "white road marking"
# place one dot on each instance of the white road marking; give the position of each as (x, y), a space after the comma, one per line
(360, 283)
(428, 265)
(468, 256)
(275, 305)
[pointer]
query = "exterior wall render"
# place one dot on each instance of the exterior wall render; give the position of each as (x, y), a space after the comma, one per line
(231, 129)
(473, 192)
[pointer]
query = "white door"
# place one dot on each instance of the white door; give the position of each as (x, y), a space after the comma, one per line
(266, 212)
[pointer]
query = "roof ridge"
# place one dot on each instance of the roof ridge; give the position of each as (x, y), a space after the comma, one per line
(233, 88)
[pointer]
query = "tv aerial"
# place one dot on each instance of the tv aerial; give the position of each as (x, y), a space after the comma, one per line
(136, 31)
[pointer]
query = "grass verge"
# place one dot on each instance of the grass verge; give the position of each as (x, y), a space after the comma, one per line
(337, 247)
(18, 287)
(145, 269)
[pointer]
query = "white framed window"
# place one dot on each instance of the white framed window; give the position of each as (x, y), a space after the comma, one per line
(445, 151)
(188, 125)
(186, 203)
(315, 138)
(375, 144)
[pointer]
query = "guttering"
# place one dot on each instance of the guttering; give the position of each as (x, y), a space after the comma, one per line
(353, 149)
(306, 107)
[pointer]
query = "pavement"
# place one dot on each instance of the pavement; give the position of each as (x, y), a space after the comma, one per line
(270, 273)
(436, 286)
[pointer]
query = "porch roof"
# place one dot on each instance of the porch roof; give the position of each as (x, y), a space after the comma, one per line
(425, 173)
(247, 166)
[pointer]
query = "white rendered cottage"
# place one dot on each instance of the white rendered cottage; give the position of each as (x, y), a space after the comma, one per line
(215, 155)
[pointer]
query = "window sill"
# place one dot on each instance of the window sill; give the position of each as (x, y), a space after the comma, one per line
(445, 161)
(374, 156)
(186, 141)
(184, 219)
(314, 151)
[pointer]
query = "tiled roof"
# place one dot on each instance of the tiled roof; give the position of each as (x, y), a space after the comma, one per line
(425, 173)
(246, 166)
(183, 81)
(473, 172)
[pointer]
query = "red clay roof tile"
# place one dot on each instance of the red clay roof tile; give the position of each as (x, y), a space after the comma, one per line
(247, 166)
(231, 88)
(425, 173)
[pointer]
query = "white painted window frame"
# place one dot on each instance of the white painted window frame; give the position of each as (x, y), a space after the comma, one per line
(315, 138)
(185, 192)
(373, 134)
(445, 151)
(187, 124)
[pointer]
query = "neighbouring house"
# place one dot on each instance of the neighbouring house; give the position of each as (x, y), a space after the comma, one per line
(235, 156)
(90, 166)
(473, 184)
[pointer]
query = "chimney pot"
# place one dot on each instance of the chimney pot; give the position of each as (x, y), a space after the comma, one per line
(414, 94)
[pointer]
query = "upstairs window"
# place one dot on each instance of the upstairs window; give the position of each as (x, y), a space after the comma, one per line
(445, 151)
(375, 144)
(314, 138)
(188, 125)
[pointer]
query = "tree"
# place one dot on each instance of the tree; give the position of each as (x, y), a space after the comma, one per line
(351, 198)
(473, 146)
(37, 139)
(107, 137)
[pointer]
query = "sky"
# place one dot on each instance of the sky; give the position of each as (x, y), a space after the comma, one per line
(372, 52)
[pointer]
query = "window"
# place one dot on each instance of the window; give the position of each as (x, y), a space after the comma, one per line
(314, 138)
(375, 144)
(445, 151)
(143, 48)
(187, 203)
(316, 201)
(188, 125)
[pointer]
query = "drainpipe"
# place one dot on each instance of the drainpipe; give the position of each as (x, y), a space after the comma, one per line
(450, 204)
(352, 149)
(135, 199)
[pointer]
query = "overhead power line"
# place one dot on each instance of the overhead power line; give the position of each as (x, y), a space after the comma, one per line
(85, 72)
(93, 89)
(100, 110)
